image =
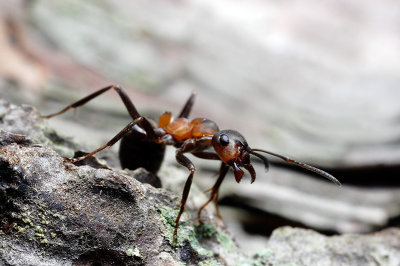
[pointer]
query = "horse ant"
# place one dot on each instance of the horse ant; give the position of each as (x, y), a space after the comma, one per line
(143, 145)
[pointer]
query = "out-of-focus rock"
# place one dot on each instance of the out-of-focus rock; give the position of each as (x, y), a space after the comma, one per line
(18, 62)
(289, 246)
(315, 80)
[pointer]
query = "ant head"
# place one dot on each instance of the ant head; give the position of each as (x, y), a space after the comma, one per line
(232, 148)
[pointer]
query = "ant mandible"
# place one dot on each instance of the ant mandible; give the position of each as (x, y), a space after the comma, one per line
(143, 144)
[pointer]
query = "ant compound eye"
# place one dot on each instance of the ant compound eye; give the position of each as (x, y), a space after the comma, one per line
(224, 140)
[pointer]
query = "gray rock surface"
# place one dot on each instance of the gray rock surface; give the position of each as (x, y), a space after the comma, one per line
(293, 246)
(56, 213)
(317, 81)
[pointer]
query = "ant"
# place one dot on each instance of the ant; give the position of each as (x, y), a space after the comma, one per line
(143, 145)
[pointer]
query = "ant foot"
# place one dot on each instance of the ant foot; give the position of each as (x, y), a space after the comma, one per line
(199, 220)
(175, 237)
(71, 160)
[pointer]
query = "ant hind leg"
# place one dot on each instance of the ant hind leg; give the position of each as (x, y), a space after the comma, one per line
(188, 106)
(125, 99)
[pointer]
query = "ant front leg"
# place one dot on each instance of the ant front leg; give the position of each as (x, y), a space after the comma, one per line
(214, 191)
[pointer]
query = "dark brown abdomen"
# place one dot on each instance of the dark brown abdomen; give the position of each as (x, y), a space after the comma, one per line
(136, 151)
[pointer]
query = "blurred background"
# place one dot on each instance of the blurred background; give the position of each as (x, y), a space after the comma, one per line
(317, 81)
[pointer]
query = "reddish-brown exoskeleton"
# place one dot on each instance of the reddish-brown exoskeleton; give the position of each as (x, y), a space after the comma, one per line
(143, 145)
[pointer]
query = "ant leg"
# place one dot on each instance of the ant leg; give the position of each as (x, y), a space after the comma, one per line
(188, 106)
(214, 191)
(183, 160)
(125, 99)
(117, 137)
(216, 205)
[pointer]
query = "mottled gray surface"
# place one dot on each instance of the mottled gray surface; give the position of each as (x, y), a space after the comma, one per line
(56, 213)
(314, 80)
(293, 246)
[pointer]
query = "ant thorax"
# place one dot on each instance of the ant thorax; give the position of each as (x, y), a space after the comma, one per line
(182, 128)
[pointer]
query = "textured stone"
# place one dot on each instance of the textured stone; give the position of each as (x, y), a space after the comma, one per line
(55, 213)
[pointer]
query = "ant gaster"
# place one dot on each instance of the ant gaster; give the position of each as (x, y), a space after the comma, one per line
(143, 145)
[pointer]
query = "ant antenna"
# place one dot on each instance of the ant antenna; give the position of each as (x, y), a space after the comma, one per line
(300, 164)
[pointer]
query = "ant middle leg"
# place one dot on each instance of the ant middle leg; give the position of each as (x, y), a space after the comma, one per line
(187, 146)
(182, 159)
(117, 137)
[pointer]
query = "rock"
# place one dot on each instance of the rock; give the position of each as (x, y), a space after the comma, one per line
(315, 82)
(55, 213)
(293, 246)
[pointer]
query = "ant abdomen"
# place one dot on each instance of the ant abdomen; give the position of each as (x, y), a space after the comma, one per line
(136, 150)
